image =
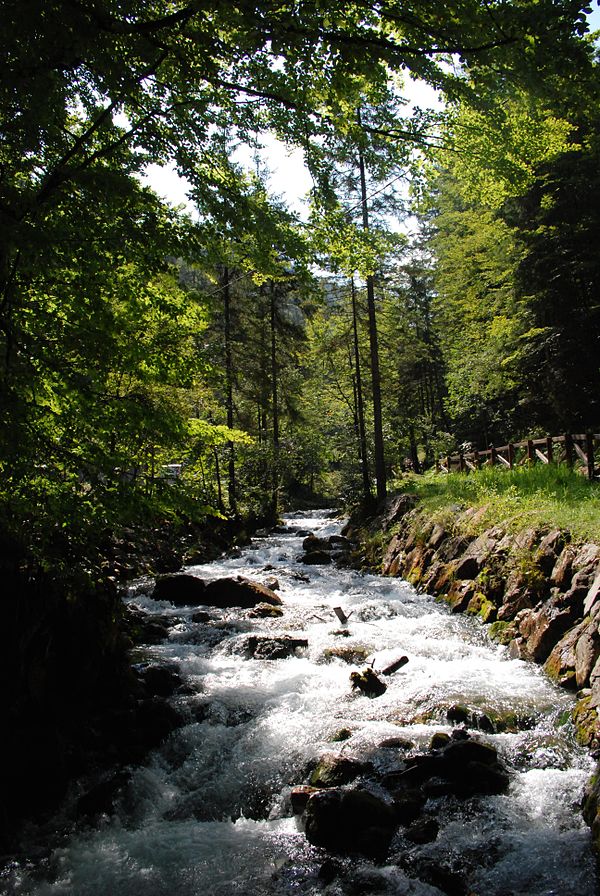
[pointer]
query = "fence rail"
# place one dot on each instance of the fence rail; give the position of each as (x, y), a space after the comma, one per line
(569, 448)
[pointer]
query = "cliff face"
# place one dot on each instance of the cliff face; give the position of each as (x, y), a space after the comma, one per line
(538, 592)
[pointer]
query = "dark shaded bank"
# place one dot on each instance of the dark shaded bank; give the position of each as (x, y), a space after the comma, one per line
(71, 702)
(536, 590)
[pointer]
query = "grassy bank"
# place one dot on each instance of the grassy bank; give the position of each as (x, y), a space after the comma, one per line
(515, 499)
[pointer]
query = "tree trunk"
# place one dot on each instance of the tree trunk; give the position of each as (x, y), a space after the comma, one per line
(229, 386)
(380, 472)
(360, 410)
(274, 401)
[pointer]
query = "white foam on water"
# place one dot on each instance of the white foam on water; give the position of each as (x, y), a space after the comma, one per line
(183, 827)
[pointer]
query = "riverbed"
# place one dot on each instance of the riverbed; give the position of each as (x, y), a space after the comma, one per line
(210, 812)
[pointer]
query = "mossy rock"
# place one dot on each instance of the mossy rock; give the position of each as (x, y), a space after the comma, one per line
(368, 682)
(414, 576)
(553, 667)
(341, 735)
(585, 719)
(481, 606)
(501, 631)
(351, 654)
(333, 771)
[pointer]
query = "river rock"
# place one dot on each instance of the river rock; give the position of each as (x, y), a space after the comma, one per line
(560, 665)
(268, 648)
(348, 821)
(315, 558)
(561, 572)
(460, 595)
(333, 770)
(313, 543)
(393, 557)
(423, 830)
(161, 681)
(544, 628)
(471, 562)
(408, 805)
(368, 682)
(101, 798)
(549, 550)
(262, 611)
(591, 597)
(300, 795)
(181, 589)
(340, 543)
(587, 651)
(463, 768)
(452, 548)
(239, 592)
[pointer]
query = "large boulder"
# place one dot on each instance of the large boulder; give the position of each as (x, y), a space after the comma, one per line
(239, 592)
(350, 821)
(315, 558)
(181, 589)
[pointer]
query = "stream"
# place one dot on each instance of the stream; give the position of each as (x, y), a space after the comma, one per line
(210, 812)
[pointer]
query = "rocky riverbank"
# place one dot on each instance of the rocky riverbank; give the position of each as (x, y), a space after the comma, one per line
(537, 591)
(72, 703)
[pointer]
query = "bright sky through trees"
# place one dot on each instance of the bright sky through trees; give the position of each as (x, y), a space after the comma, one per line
(288, 175)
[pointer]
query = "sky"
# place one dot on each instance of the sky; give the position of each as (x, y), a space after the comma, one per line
(289, 177)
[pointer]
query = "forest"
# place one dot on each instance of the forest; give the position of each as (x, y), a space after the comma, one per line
(161, 364)
(173, 370)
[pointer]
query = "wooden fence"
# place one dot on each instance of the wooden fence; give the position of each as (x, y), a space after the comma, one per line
(572, 449)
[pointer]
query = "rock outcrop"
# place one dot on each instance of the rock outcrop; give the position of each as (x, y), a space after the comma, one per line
(538, 591)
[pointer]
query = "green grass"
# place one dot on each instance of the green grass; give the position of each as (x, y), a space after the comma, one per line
(516, 499)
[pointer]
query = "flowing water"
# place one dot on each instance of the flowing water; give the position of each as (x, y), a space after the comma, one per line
(210, 812)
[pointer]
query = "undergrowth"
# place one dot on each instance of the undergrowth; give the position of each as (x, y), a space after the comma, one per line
(516, 499)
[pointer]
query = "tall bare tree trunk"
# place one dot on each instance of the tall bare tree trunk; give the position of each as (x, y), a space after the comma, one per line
(229, 386)
(360, 410)
(274, 401)
(380, 473)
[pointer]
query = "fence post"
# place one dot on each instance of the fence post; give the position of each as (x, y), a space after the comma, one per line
(589, 451)
(569, 449)
(549, 449)
(493, 454)
(511, 455)
(530, 452)
(448, 462)
(476, 459)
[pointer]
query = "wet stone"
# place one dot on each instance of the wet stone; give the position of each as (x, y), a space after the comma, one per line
(423, 830)
(272, 648)
(350, 821)
(238, 592)
(333, 771)
(368, 682)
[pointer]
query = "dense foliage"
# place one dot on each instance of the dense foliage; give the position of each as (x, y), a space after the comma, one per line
(137, 343)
